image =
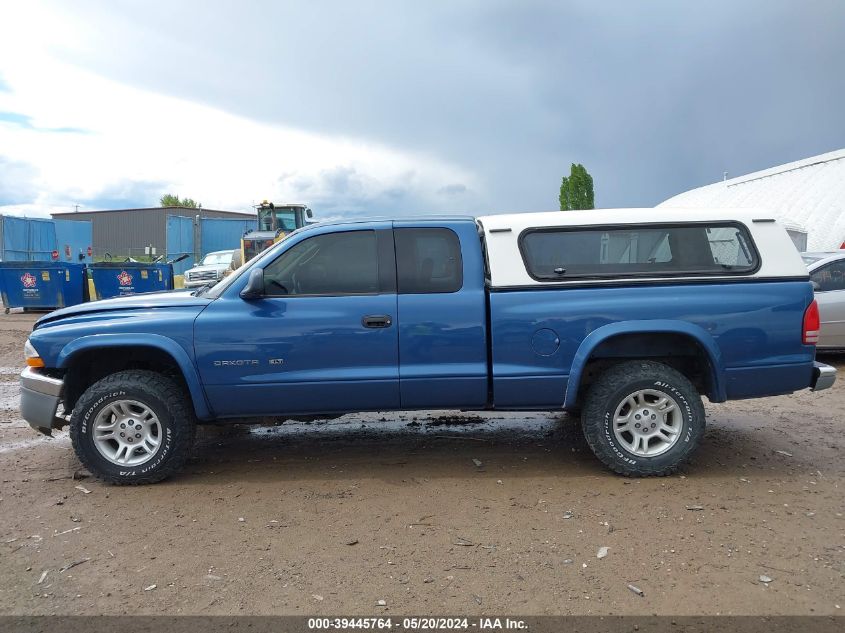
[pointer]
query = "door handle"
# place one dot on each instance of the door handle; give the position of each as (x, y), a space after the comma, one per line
(377, 321)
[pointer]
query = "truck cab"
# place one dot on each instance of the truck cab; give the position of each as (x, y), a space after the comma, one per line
(625, 322)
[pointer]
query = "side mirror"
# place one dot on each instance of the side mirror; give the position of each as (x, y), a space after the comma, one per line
(254, 288)
(309, 214)
(816, 285)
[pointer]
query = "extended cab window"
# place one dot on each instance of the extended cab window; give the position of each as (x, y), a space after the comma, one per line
(330, 264)
(649, 250)
(428, 260)
(830, 277)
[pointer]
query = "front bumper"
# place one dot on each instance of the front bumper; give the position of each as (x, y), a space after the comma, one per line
(823, 376)
(40, 397)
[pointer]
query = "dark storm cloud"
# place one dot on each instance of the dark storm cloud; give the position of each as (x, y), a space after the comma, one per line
(344, 192)
(654, 97)
(455, 189)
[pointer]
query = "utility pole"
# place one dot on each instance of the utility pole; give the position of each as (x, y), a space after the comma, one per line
(198, 237)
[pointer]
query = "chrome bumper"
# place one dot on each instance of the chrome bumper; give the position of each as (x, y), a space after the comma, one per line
(823, 376)
(40, 397)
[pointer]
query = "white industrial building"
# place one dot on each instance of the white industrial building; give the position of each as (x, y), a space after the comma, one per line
(807, 195)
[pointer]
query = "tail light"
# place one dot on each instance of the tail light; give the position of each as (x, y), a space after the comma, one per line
(811, 324)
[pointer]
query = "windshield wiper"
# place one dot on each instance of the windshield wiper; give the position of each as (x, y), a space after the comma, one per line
(203, 289)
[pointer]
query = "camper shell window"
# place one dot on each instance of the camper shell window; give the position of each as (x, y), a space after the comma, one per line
(642, 250)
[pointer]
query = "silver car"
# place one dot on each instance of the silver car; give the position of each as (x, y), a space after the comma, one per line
(827, 272)
(210, 270)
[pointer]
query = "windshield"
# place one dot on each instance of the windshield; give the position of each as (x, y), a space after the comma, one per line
(279, 218)
(223, 257)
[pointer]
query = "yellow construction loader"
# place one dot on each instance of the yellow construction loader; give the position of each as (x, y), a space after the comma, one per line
(274, 223)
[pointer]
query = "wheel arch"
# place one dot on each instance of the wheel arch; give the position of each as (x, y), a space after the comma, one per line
(152, 346)
(615, 333)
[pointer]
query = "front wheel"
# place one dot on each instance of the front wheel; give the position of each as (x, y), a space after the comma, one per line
(643, 418)
(133, 427)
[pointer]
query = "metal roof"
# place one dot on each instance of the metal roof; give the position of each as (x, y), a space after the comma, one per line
(809, 193)
(178, 210)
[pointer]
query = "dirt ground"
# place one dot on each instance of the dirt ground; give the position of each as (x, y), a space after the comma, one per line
(471, 515)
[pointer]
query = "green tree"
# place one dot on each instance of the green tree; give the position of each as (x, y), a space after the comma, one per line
(169, 200)
(576, 190)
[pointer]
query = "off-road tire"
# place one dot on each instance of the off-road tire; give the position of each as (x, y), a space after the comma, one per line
(164, 396)
(612, 388)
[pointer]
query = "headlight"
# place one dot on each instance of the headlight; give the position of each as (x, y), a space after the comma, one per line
(31, 356)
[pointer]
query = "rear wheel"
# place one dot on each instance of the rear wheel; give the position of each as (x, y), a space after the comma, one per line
(643, 418)
(133, 427)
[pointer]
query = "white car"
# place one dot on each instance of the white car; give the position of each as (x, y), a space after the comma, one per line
(827, 272)
(210, 271)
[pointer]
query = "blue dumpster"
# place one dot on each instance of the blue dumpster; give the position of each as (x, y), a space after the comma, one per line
(42, 285)
(112, 279)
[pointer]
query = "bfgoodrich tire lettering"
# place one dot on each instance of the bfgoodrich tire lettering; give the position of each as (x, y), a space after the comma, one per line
(160, 395)
(606, 398)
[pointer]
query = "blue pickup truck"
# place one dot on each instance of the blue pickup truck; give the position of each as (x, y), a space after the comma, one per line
(627, 316)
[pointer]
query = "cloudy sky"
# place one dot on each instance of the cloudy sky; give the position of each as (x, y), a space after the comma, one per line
(397, 107)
